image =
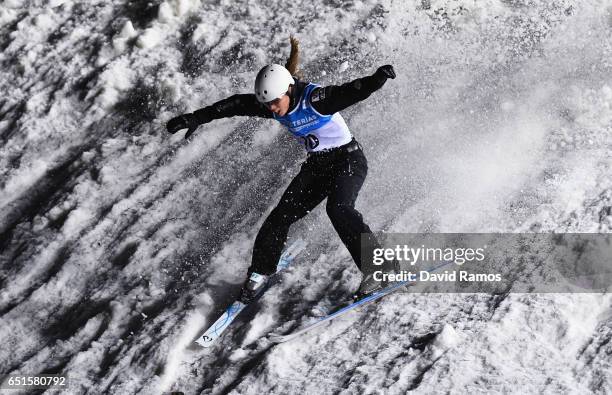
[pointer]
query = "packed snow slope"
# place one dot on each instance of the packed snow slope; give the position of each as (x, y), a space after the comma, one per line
(120, 243)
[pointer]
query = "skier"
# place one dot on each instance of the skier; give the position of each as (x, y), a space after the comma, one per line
(334, 169)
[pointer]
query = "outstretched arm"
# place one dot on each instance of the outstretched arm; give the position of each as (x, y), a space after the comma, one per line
(331, 99)
(242, 104)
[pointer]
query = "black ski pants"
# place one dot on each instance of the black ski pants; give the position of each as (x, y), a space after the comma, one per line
(336, 175)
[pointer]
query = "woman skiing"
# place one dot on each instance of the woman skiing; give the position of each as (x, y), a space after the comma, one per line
(334, 169)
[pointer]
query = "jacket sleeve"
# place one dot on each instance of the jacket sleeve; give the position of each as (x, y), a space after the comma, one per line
(241, 104)
(331, 99)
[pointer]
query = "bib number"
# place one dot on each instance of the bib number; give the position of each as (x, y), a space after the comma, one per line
(311, 141)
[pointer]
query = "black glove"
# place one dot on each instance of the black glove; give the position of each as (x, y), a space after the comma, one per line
(185, 121)
(387, 71)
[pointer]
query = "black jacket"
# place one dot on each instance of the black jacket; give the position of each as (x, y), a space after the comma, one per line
(325, 100)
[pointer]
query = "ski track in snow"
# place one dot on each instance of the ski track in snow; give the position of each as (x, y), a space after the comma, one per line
(119, 243)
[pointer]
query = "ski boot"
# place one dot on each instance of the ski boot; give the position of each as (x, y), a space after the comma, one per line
(369, 285)
(252, 287)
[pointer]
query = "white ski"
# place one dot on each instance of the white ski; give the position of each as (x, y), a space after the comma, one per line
(275, 338)
(209, 337)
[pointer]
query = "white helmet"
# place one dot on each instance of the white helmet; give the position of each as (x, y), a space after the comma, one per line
(272, 82)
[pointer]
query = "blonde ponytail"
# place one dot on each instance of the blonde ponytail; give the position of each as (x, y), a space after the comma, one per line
(294, 59)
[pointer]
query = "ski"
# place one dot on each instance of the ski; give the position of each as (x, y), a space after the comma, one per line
(208, 338)
(359, 303)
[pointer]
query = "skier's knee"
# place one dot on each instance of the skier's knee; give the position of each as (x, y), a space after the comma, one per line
(338, 211)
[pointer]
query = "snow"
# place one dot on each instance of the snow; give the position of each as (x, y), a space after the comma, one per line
(120, 243)
(121, 40)
(149, 38)
(343, 67)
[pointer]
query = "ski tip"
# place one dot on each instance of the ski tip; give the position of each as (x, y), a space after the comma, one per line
(204, 343)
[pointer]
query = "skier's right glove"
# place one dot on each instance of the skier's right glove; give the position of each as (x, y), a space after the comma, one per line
(386, 71)
(191, 121)
(184, 121)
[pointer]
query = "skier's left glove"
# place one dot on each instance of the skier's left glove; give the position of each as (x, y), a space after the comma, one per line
(386, 71)
(184, 121)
